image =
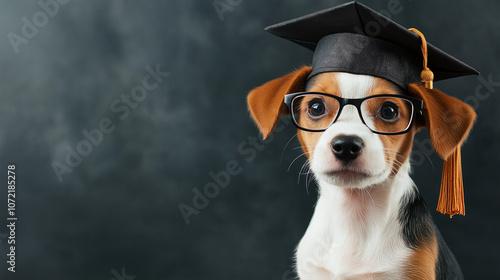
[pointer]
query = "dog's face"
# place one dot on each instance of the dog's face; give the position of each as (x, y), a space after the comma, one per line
(348, 153)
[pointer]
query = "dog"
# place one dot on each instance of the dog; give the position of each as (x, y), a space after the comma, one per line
(369, 221)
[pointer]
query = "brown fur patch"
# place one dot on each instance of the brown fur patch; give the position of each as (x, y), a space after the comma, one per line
(421, 265)
(397, 147)
(325, 83)
(265, 103)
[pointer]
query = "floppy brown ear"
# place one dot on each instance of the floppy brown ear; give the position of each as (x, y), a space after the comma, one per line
(447, 119)
(266, 102)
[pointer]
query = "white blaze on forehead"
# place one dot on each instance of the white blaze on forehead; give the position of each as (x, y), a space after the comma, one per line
(353, 86)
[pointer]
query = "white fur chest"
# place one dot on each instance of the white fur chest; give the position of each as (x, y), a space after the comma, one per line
(355, 234)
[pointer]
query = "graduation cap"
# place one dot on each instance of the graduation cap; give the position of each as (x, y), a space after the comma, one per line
(355, 39)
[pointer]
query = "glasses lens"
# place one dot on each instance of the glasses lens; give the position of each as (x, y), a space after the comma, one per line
(314, 111)
(387, 114)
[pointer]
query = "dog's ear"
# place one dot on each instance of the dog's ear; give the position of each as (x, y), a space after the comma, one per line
(266, 102)
(447, 119)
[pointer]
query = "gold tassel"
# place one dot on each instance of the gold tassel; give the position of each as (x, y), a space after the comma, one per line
(426, 75)
(451, 195)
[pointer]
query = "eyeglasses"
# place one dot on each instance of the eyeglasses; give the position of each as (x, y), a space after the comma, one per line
(386, 114)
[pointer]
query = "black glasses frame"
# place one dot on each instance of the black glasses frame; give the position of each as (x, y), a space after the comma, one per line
(356, 102)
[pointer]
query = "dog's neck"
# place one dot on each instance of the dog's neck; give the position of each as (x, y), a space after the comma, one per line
(353, 228)
(361, 210)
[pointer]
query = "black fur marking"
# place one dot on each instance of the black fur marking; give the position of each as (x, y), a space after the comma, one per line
(447, 266)
(416, 220)
(419, 228)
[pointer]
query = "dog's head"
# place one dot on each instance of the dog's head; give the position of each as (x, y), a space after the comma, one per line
(357, 130)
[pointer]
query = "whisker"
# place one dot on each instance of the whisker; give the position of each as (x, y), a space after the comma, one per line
(304, 166)
(393, 152)
(300, 172)
(308, 182)
(396, 154)
(307, 174)
(369, 195)
(397, 161)
(389, 149)
(302, 147)
(283, 152)
(427, 156)
(302, 154)
(398, 164)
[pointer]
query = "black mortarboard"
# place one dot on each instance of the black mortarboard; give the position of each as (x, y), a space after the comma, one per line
(355, 39)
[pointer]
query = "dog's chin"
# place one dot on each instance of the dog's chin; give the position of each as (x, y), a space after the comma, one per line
(351, 179)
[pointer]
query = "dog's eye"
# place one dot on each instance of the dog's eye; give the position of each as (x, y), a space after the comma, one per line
(389, 111)
(316, 108)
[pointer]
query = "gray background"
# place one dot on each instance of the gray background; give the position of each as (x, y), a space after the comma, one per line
(119, 207)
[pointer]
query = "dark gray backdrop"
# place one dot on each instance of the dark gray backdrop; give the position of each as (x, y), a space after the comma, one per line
(116, 214)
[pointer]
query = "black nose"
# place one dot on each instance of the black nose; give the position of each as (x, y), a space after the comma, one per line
(347, 148)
